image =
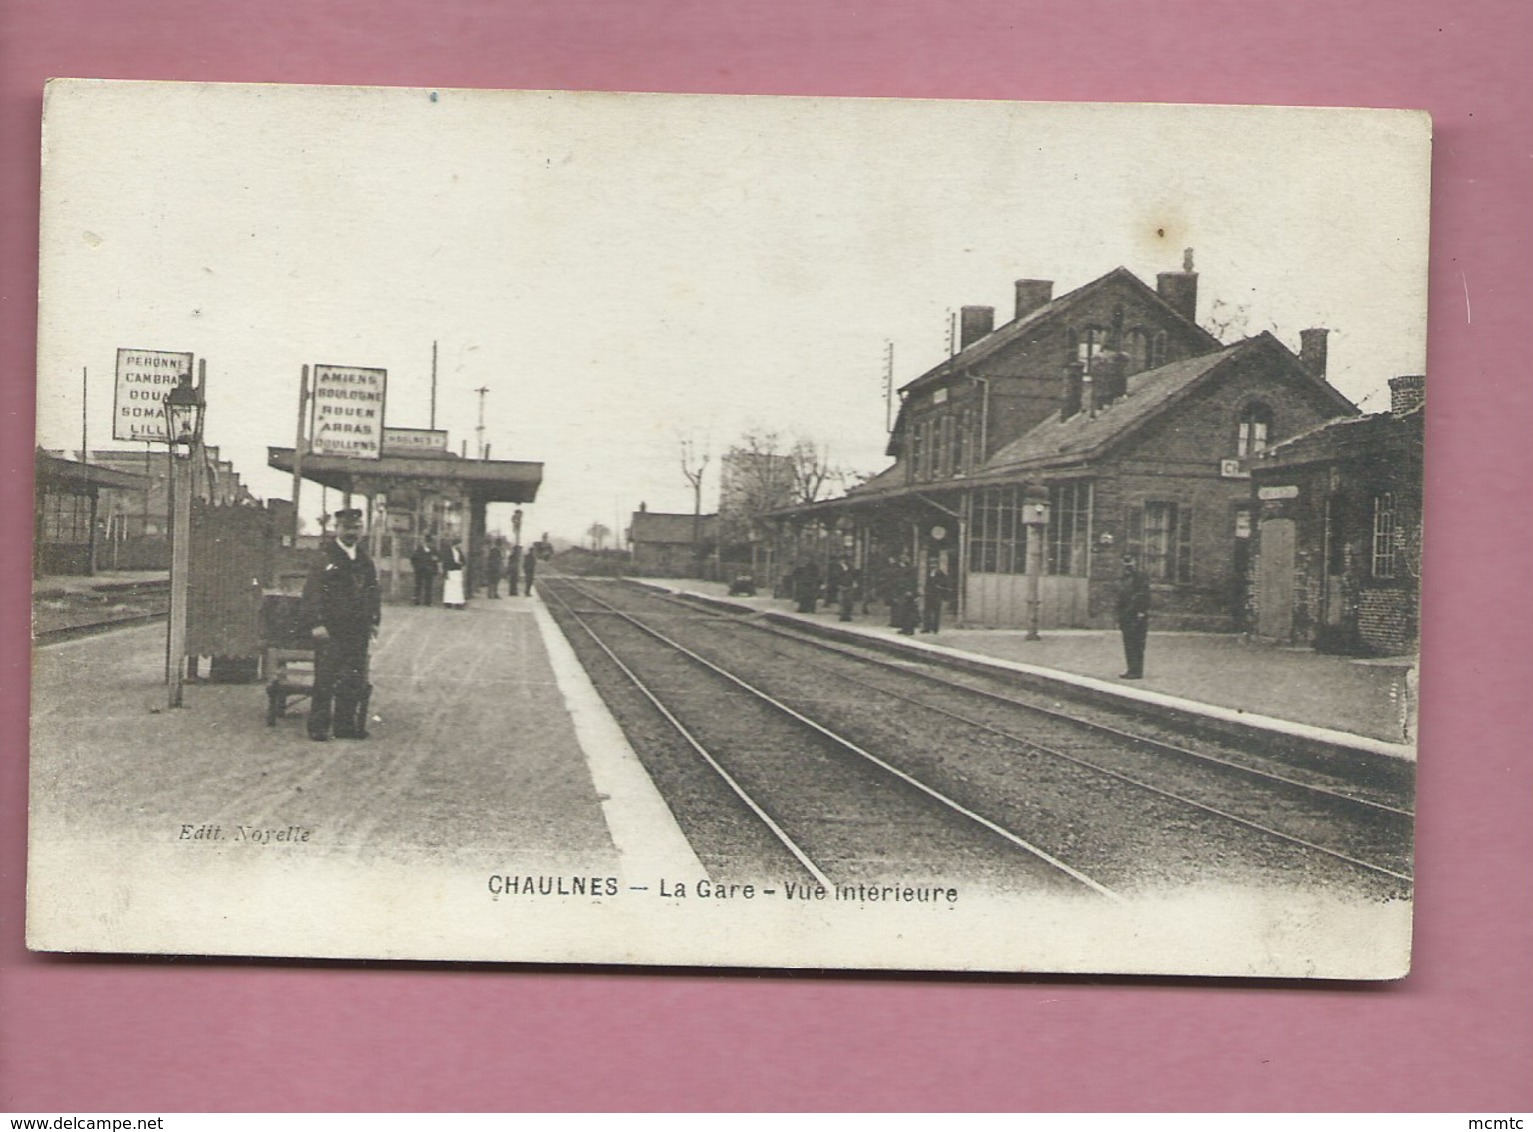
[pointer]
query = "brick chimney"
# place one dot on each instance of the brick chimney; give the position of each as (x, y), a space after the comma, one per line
(1032, 294)
(1407, 393)
(1072, 391)
(1111, 373)
(1180, 288)
(1312, 348)
(974, 323)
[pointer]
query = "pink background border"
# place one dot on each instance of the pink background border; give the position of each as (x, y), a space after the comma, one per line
(95, 1035)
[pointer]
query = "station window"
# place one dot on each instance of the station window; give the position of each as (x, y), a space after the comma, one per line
(1254, 431)
(1158, 350)
(1384, 524)
(917, 449)
(961, 443)
(1160, 538)
(1138, 349)
(1069, 529)
(1089, 344)
(997, 535)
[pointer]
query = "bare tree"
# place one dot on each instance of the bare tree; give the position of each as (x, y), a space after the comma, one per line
(812, 471)
(693, 468)
(756, 478)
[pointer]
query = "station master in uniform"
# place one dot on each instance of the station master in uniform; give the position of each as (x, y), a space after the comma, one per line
(342, 606)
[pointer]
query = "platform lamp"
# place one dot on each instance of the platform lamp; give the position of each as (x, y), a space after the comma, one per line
(183, 425)
(1035, 516)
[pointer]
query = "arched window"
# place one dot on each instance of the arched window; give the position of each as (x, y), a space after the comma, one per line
(1158, 350)
(1138, 349)
(1254, 431)
(1089, 343)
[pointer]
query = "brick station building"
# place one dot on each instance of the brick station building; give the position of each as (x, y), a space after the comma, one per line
(1115, 407)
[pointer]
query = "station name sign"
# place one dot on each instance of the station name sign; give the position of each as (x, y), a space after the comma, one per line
(414, 441)
(348, 412)
(144, 379)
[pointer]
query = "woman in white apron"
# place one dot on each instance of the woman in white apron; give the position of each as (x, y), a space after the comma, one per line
(452, 576)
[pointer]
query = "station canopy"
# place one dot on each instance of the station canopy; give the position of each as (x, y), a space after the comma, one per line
(484, 481)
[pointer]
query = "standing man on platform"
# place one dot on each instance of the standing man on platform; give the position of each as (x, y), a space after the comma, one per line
(424, 562)
(341, 606)
(492, 568)
(513, 569)
(530, 567)
(938, 590)
(1133, 612)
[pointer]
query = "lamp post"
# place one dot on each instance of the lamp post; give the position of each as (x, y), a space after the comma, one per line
(183, 425)
(1035, 516)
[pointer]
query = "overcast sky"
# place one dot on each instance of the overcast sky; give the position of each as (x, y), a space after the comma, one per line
(624, 272)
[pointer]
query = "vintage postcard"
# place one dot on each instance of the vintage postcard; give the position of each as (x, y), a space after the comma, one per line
(727, 531)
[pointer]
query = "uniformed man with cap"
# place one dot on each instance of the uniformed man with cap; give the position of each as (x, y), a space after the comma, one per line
(342, 606)
(1133, 613)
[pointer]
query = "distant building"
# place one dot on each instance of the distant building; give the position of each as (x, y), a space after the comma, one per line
(752, 484)
(670, 545)
(1338, 534)
(68, 515)
(135, 520)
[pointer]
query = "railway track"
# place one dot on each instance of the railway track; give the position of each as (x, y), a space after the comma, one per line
(1126, 810)
(91, 615)
(825, 800)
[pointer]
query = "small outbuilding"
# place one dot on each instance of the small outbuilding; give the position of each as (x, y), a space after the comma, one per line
(1337, 561)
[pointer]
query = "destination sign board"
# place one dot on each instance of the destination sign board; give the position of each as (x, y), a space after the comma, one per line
(414, 441)
(348, 412)
(144, 379)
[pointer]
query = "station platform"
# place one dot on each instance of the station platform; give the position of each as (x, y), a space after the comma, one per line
(1365, 704)
(488, 746)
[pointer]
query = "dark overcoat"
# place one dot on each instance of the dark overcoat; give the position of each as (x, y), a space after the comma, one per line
(341, 593)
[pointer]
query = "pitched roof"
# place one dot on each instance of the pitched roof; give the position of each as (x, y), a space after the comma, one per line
(58, 470)
(1007, 333)
(669, 527)
(1350, 437)
(1083, 436)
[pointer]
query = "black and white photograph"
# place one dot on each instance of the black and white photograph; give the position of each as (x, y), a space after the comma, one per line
(727, 531)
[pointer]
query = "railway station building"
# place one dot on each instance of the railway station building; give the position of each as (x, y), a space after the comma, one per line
(1105, 422)
(417, 491)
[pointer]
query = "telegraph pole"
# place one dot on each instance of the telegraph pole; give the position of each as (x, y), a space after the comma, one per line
(479, 431)
(433, 386)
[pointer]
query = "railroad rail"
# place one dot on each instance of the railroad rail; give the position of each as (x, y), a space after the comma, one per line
(793, 841)
(106, 607)
(1336, 820)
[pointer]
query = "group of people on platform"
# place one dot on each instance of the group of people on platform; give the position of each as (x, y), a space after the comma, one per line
(843, 586)
(912, 606)
(501, 563)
